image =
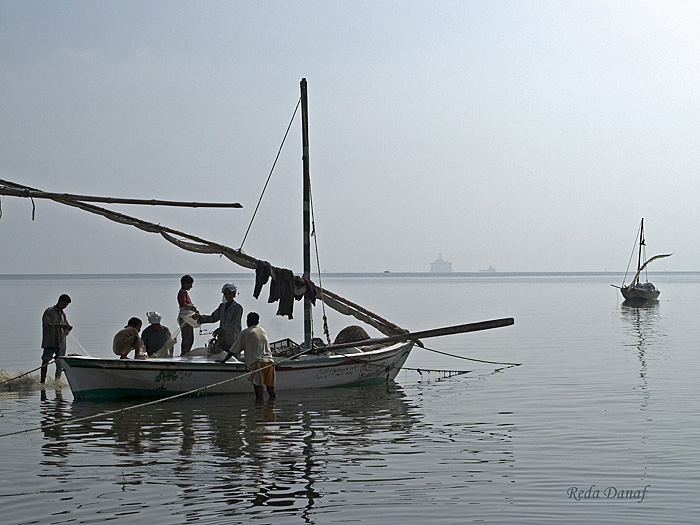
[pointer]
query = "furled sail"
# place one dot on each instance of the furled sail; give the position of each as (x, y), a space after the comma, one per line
(192, 243)
(641, 268)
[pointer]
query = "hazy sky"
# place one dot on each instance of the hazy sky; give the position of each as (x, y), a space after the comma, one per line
(530, 136)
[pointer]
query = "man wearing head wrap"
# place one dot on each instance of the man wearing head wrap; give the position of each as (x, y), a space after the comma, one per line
(156, 336)
(228, 314)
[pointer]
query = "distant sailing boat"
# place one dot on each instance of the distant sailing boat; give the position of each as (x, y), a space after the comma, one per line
(636, 290)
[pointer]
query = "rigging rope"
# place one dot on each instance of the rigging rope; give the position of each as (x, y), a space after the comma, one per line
(326, 331)
(270, 175)
(629, 262)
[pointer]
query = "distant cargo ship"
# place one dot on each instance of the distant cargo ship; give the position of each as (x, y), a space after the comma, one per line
(490, 269)
(440, 265)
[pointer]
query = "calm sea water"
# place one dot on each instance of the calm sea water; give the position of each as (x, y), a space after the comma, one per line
(598, 424)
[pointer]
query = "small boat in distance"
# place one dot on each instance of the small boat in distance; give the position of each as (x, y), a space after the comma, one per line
(440, 265)
(490, 269)
(637, 291)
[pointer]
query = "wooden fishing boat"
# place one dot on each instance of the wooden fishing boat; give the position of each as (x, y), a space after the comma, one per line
(93, 378)
(637, 291)
(311, 364)
(343, 364)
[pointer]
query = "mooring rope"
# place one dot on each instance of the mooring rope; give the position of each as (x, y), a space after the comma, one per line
(26, 373)
(431, 370)
(469, 358)
(133, 407)
(47, 364)
(425, 369)
(148, 403)
(202, 389)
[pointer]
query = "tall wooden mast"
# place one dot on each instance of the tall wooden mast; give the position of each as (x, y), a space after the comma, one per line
(307, 209)
(641, 249)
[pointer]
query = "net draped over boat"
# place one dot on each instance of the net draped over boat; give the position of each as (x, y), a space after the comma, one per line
(192, 243)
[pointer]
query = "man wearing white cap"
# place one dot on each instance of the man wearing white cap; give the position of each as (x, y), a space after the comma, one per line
(228, 314)
(156, 336)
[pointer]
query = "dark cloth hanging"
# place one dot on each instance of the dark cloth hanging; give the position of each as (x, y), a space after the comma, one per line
(263, 270)
(305, 289)
(285, 287)
(282, 290)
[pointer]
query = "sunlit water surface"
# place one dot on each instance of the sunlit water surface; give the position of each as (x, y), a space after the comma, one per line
(598, 424)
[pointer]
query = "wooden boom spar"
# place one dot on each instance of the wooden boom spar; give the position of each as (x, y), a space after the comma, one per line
(5, 189)
(436, 332)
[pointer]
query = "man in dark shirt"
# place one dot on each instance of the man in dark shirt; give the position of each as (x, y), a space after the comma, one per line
(54, 328)
(156, 336)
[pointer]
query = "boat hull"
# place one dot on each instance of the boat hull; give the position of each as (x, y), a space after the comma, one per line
(640, 293)
(95, 378)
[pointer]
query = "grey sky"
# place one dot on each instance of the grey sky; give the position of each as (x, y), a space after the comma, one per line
(531, 136)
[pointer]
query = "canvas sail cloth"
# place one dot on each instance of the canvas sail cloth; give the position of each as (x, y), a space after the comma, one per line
(192, 243)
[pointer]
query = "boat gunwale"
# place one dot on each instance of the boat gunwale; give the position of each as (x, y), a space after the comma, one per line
(201, 363)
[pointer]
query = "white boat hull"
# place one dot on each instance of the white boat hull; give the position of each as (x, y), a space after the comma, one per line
(96, 378)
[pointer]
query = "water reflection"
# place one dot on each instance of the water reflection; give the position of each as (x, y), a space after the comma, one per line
(642, 321)
(248, 453)
(54, 410)
(304, 455)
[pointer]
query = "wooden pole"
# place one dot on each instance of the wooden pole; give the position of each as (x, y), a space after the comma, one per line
(307, 209)
(36, 194)
(412, 336)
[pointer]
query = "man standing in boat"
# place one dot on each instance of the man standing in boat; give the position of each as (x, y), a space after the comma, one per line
(254, 344)
(187, 310)
(55, 328)
(228, 315)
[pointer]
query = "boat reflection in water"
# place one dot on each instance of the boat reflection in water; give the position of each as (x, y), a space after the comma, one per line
(234, 459)
(246, 453)
(641, 321)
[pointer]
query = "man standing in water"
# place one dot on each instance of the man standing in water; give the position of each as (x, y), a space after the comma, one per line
(258, 357)
(54, 328)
